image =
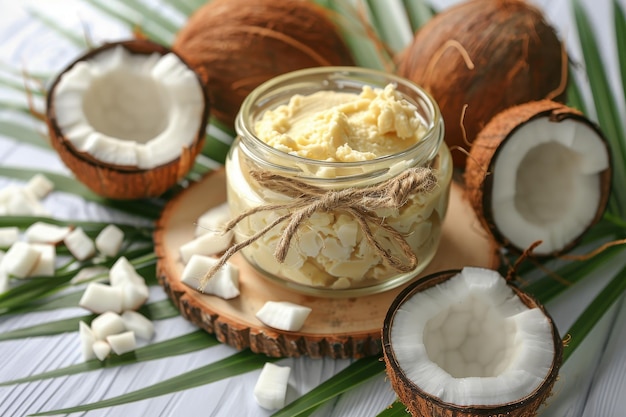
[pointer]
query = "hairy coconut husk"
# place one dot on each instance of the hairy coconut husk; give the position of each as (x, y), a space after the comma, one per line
(122, 182)
(238, 44)
(478, 176)
(480, 57)
(422, 404)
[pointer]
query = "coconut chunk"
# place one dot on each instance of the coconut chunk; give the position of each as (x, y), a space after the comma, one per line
(213, 220)
(109, 240)
(106, 324)
(123, 271)
(270, 390)
(8, 236)
(40, 186)
(139, 324)
(20, 259)
(100, 298)
(19, 201)
(209, 243)
(133, 295)
(79, 244)
(42, 232)
(471, 341)
(123, 342)
(87, 340)
(101, 349)
(283, 315)
(47, 260)
(224, 284)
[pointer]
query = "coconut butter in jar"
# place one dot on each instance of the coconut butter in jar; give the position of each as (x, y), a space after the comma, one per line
(320, 158)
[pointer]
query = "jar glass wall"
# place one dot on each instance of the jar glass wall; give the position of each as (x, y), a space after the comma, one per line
(328, 254)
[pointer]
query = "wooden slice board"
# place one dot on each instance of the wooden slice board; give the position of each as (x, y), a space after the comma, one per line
(337, 327)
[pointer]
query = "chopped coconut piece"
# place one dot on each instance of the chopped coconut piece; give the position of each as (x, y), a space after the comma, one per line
(224, 284)
(40, 186)
(133, 295)
(79, 244)
(139, 324)
(123, 342)
(270, 390)
(100, 298)
(109, 240)
(209, 243)
(87, 340)
(546, 183)
(8, 236)
(213, 220)
(101, 349)
(471, 340)
(106, 324)
(123, 271)
(283, 315)
(20, 259)
(42, 232)
(47, 259)
(18, 201)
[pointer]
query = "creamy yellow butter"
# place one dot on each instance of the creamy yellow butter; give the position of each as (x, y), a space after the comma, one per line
(343, 127)
(328, 129)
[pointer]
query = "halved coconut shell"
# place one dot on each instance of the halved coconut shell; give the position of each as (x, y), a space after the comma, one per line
(435, 304)
(539, 171)
(173, 133)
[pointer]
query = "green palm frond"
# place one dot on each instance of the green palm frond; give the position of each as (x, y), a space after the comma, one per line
(187, 343)
(239, 363)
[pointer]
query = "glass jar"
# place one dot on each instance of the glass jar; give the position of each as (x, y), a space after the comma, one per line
(328, 254)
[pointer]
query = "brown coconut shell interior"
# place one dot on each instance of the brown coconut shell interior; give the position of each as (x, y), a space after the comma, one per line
(485, 151)
(420, 403)
(123, 182)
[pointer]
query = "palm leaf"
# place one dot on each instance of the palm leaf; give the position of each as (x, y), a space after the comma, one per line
(78, 40)
(187, 343)
(120, 12)
(605, 105)
(239, 363)
(24, 134)
(620, 37)
(349, 378)
(158, 310)
(594, 312)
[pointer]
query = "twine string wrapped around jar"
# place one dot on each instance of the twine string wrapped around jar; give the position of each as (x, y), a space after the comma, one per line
(361, 203)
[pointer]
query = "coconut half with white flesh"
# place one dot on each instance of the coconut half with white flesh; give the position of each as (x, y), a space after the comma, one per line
(467, 343)
(540, 171)
(128, 118)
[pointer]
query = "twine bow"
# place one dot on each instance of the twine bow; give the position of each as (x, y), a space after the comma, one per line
(361, 203)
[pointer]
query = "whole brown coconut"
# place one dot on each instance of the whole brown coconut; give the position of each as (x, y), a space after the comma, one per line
(482, 56)
(539, 171)
(238, 44)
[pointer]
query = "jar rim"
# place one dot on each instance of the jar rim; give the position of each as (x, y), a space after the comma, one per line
(340, 74)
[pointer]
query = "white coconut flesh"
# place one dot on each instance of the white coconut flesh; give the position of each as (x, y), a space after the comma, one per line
(471, 341)
(127, 109)
(546, 183)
